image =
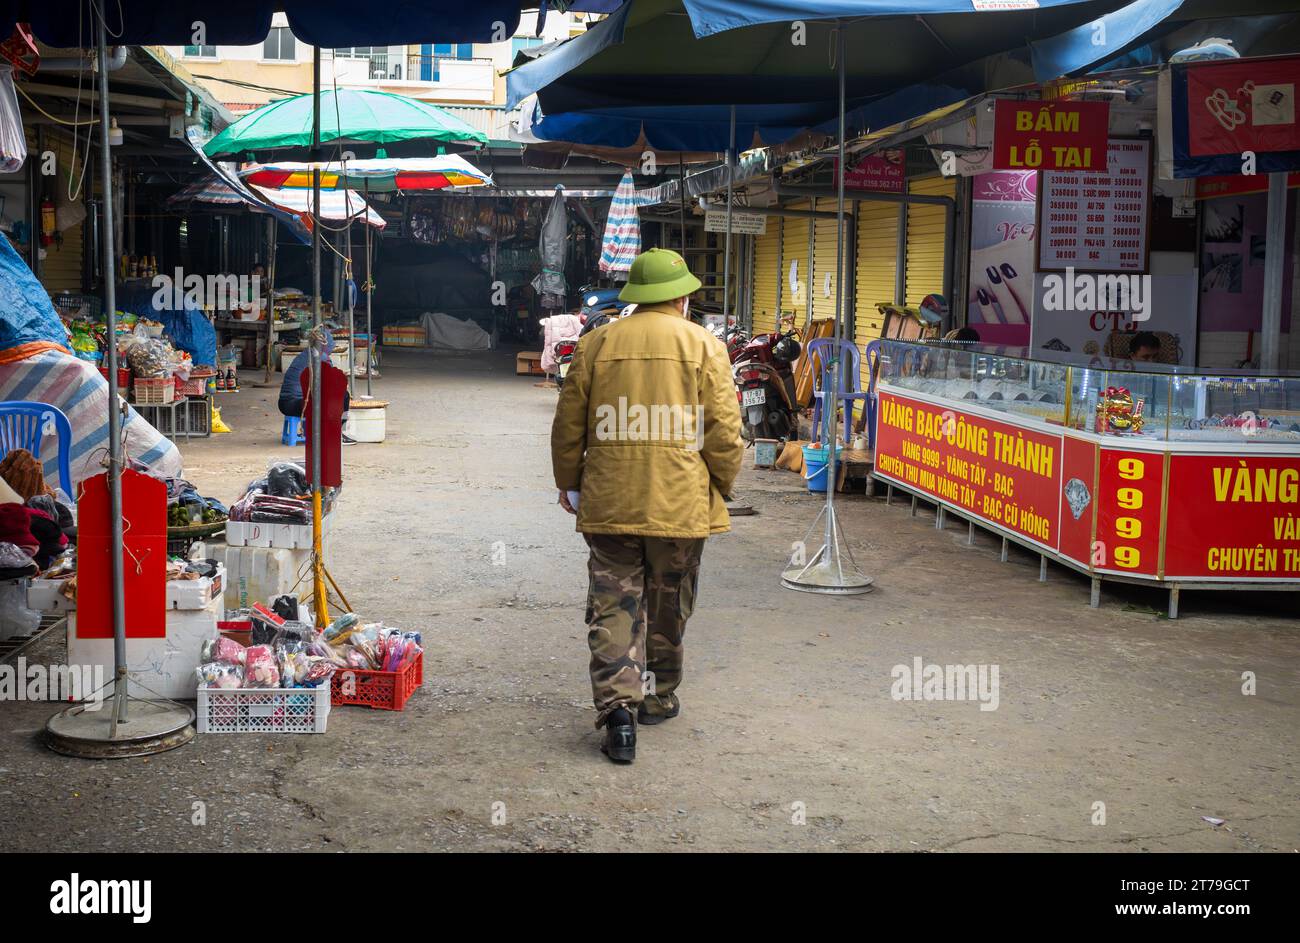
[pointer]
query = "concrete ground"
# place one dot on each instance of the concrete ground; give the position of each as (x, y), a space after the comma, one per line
(789, 737)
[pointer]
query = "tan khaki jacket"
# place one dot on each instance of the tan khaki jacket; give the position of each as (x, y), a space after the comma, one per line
(648, 428)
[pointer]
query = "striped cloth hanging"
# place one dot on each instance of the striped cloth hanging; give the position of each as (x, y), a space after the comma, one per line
(622, 240)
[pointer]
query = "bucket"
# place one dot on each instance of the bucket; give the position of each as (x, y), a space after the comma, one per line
(814, 460)
(765, 452)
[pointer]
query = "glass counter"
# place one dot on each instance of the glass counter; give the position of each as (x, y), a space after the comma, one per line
(1123, 399)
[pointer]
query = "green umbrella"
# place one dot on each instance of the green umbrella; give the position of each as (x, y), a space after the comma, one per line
(348, 117)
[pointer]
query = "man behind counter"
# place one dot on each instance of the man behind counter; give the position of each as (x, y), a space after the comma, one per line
(1144, 348)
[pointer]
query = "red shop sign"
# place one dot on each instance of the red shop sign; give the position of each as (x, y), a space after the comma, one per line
(1233, 517)
(1006, 475)
(882, 173)
(1246, 105)
(1039, 135)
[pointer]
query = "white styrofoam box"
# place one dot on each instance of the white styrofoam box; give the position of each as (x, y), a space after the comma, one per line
(259, 574)
(367, 425)
(162, 666)
(281, 536)
(263, 710)
(195, 594)
(45, 596)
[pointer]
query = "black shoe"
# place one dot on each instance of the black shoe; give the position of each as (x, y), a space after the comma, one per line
(348, 440)
(620, 737)
(670, 702)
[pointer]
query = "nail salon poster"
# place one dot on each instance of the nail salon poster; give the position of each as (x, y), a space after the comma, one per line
(1082, 335)
(1002, 256)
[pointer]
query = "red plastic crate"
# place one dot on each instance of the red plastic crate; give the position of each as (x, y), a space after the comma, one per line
(123, 377)
(385, 690)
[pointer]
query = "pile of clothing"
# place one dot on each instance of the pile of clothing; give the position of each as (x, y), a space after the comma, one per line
(281, 497)
(33, 520)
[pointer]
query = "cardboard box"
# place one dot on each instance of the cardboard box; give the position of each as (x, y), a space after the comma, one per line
(529, 363)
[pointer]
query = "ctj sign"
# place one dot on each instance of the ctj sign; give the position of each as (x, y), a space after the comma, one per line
(1039, 135)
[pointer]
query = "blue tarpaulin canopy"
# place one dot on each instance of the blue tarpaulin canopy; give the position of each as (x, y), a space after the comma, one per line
(671, 52)
(26, 315)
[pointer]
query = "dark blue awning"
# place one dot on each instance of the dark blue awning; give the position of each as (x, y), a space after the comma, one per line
(324, 23)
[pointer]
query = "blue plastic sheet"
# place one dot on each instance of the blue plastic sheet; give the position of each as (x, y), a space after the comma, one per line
(189, 330)
(26, 314)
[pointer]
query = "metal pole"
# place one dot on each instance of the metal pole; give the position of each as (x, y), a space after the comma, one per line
(270, 296)
(114, 406)
(681, 198)
(314, 358)
(830, 398)
(370, 339)
(347, 295)
(726, 258)
(1270, 352)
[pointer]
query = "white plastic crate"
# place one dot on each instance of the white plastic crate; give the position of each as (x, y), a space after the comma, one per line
(263, 710)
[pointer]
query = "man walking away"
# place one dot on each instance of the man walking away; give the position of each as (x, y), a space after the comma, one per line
(291, 401)
(646, 439)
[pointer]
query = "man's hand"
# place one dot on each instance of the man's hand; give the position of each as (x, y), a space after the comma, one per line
(564, 502)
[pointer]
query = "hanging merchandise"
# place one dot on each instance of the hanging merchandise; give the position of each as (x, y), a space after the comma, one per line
(550, 283)
(622, 240)
(13, 142)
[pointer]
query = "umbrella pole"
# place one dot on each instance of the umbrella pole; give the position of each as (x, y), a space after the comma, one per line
(270, 297)
(369, 289)
(114, 407)
(832, 569)
(726, 256)
(348, 276)
(317, 559)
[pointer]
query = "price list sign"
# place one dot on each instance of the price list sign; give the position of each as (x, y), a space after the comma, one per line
(1097, 222)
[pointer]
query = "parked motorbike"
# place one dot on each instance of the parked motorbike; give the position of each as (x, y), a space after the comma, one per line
(764, 374)
(563, 357)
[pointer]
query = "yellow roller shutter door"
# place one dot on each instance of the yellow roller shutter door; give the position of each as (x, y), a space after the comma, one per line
(823, 273)
(767, 253)
(794, 249)
(925, 238)
(876, 266)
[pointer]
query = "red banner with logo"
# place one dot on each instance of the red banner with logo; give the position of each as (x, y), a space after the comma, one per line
(1007, 475)
(1246, 105)
(1233, 517)
(1040, 135)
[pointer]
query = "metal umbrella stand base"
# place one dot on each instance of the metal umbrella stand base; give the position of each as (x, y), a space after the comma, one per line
(831, 570)
(151, 727)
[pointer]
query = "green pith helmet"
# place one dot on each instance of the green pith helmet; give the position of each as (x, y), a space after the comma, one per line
(658, 275)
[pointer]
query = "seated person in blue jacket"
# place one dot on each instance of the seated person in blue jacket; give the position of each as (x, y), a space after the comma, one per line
(291, 398)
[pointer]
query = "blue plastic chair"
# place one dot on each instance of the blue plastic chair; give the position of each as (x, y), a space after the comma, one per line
(291, 433)
(23, 425)
(823, 348)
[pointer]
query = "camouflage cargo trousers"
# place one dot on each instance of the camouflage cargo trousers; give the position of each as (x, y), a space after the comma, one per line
(641, 593)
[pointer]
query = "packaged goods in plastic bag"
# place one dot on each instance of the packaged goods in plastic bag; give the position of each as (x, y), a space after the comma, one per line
(260, 668)
(219, 674)
(13, 142)
(224, 650)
